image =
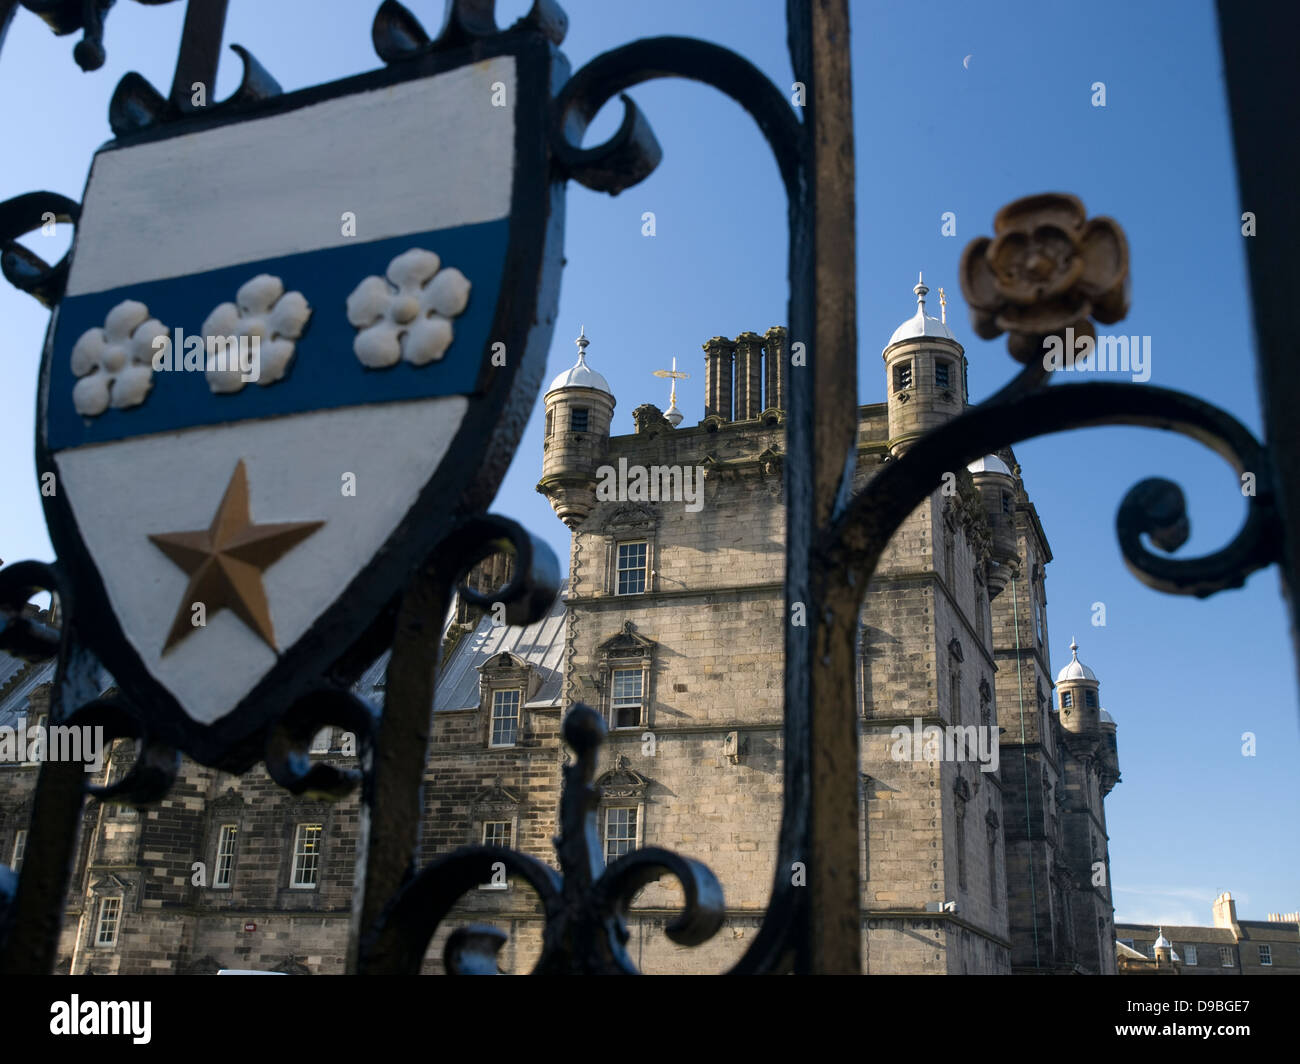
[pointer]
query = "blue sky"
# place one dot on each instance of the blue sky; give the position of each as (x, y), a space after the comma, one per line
(1183, 678)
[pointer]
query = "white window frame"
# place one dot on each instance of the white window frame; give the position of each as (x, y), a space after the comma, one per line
(223, 873)
(904, 375)
(614, 704)
(499, 698)
(114, 915)
(632, 841)
(619, 569)
(1266, 956)
(1225, 957)
(1189, 956)
(509, 835)
(1067, 699)
(20, 849)
(300, 856)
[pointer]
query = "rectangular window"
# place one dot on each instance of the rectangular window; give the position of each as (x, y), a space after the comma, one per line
(1006, 503)
(942, 375)
(631, 567)
(579, 419)
(1150, 949)
(625, 703)
(225, 856)
(550, 423)
(1090, 699)
(1067, 699)
(505, 718)
(496, 833)
(620, 833)
(1225, 956)
(306, 856)
(1266, 955)
(20, 848)
(1189, 956)
(110, 912)
(902, 376)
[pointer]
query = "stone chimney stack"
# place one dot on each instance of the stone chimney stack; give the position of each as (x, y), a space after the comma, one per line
(774, 348)
(749, 376)
(718, 355)
(1225, 913)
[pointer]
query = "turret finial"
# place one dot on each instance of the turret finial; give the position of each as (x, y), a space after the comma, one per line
(1074, 648)
(943, 308)
(582, 343)
(920, 289)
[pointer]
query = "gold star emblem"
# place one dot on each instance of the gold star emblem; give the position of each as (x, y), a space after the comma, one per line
(225, 562)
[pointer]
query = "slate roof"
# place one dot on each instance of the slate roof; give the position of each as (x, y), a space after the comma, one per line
(540, 644)
(1211, 935)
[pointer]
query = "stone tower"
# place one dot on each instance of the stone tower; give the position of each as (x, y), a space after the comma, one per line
(925, 375)
(1078, 699)
(579, 408)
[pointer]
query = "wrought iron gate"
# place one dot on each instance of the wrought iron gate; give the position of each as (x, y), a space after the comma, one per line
(834, 539)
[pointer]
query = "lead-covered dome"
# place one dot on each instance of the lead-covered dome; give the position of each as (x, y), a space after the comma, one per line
(581, 375)
(1075, 670)
(990, 463)
(921, 324)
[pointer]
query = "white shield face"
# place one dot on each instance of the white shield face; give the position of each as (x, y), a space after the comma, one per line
(271, 335)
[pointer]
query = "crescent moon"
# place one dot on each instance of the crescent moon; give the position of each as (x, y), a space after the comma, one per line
(966, 62)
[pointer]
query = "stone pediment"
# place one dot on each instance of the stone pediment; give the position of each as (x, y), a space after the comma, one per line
(504, 660)
(628, 643)
(110, 884)
(230, 802)
(629, 517)
(495, 794)
(622, 781)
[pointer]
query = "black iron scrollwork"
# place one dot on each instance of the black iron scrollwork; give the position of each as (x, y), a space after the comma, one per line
(584, 903)
(137, 105)
(156, 765)
(288, 746)
(398, 35)
(632, 153)
(24, 270)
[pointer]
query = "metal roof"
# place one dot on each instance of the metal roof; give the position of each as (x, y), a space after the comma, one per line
(540, 644)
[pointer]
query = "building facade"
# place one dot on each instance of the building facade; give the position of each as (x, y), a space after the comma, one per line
(1229, 947)
(983, 835)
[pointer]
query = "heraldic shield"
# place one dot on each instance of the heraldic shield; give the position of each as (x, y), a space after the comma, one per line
(298, 343)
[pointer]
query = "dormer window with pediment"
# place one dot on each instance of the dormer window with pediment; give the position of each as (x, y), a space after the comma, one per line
(506, 683)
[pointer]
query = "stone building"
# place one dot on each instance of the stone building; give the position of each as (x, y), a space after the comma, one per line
(1229, 947)
(983, 842)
